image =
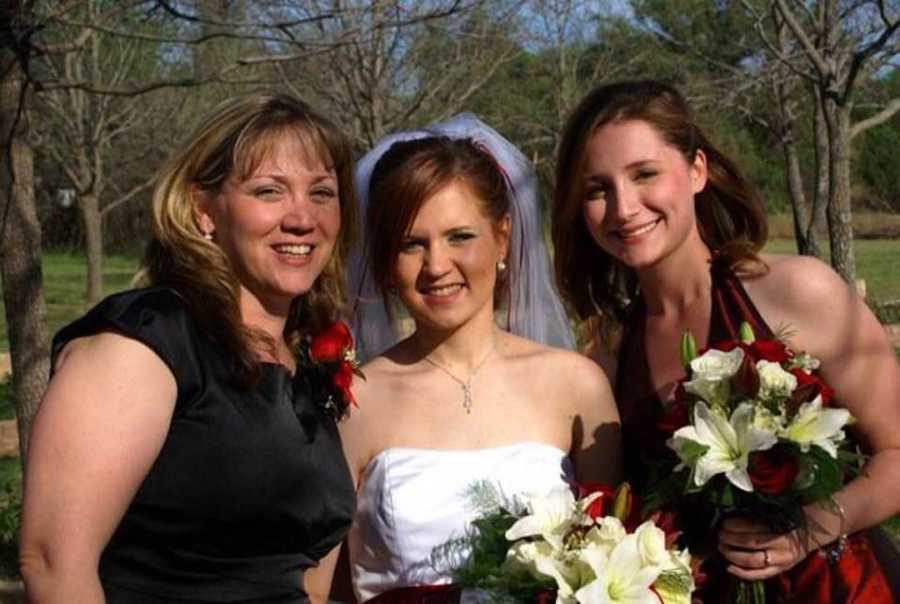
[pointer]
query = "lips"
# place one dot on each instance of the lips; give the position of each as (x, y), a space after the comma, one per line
(294, 249)
(442, 291)
(633, 232)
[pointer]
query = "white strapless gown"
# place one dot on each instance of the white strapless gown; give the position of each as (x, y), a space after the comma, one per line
(412, 501)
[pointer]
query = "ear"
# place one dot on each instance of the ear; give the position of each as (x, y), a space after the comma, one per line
(698, 172)
(501, 231)
(202, 203)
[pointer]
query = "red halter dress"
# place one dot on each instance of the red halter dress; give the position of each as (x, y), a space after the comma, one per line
(867, 572)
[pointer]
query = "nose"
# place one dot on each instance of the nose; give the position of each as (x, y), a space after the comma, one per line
(299, 216)
(624, 202)
(436, 261)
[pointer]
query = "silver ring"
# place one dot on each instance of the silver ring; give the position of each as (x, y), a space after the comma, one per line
(765, 558)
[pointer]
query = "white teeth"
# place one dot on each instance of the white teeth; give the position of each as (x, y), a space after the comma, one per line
(303, 249)
(445, 290)
(639, 231)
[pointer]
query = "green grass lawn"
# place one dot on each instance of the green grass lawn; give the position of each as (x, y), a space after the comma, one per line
(876, 262)
(65, 284)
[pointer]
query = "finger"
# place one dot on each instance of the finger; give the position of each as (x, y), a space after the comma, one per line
(746, 559)
(757, 574)
(760, 540)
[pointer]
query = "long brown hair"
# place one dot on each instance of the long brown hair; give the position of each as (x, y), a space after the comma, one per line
(235, 139)
(411, 172)
(730, 213)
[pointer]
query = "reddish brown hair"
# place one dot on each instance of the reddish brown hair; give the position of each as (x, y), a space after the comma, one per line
(411, 172)
(730, 213)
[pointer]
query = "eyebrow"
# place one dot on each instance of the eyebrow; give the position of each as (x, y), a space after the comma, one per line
(281, 178)
(450, 231)
(635, 164)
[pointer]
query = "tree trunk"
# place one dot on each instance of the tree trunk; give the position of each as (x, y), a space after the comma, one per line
(821, 194)
(20, 263)
(840, 215)
(93, 239)
(799, 204)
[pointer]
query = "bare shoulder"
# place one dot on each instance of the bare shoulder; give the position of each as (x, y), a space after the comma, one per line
(572, 376)
(110, 358)
(801, 283)
(367, 427)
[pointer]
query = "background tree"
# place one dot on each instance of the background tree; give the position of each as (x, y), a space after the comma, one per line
(837, 46)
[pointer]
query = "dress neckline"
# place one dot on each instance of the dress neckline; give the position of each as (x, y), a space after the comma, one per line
(461, 451)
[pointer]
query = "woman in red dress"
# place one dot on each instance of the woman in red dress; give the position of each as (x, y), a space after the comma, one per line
(656, 232)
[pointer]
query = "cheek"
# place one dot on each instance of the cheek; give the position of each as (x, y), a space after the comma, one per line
(329, 220)
(244, 219)
(406, 271)
(593, 214)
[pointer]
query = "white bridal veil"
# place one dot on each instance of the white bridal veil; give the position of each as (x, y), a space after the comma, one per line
(534, 309)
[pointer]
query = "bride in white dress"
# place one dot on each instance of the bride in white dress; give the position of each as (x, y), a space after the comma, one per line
(453, 242)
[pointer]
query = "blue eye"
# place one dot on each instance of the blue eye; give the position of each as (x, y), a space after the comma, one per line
(461, 237)
(595, 193)
(324, 194)
(408, 245)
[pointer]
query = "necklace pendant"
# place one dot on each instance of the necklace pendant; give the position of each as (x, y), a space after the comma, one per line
(467, 398)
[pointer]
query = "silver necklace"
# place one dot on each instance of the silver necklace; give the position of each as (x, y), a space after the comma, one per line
(466, 385)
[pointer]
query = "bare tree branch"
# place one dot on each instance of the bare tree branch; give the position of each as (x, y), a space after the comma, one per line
(879, 118)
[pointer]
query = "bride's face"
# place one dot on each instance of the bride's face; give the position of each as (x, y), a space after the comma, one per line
(446, 270)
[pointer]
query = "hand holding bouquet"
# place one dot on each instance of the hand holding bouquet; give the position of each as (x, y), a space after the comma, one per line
(754, 436)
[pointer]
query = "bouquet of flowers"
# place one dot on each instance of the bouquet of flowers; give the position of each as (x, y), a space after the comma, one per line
(556, 548)
(753, 435)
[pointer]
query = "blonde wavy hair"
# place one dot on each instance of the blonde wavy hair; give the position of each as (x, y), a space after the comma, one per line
(235, 139)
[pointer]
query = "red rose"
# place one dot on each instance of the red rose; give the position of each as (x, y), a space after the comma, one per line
(597, 509)
(545, 596)
(331, 343)
(773, 471)
(759, 350)
(746, 381)
(343, 379)
(676, 415)
(769, 350)
(815, 384)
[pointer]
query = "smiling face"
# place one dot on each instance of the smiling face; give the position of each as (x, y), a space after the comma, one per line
(278, 226)
(639, 194)
(446, 270)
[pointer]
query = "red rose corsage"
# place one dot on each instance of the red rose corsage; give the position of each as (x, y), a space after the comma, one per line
(330, 357)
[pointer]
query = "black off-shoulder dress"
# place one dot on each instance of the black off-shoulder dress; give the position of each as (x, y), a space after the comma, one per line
(250, 487)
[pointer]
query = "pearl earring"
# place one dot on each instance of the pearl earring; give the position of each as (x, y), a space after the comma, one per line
(207, 235)
(501, 265)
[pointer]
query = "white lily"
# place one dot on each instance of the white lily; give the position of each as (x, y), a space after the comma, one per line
(651, 544)
(621, 578)
(711, 372)
(727, 443)
(550, 516)
(540, 560)
(813, 425)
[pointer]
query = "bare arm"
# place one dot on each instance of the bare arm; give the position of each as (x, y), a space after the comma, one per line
(597, 433)
(99, 428)
(830, 322)
(317, 581)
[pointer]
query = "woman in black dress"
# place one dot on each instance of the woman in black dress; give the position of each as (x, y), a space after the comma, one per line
(180, 454)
